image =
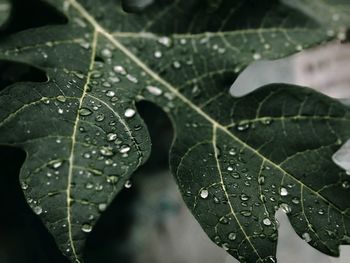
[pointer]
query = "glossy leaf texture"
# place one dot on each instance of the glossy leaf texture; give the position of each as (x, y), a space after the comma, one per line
(236, 160)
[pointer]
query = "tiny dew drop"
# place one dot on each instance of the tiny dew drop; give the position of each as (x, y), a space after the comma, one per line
(86, 228)
(38, 210)
(158, 54)
(128, 184)
(306, 237)
(225, 246)
(129, 113)
(204, 193)
(346, 185)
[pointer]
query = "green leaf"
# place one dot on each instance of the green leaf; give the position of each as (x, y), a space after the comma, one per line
(4, 11)
(232, 157)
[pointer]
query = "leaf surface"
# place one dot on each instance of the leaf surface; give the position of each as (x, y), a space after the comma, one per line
(236, 160)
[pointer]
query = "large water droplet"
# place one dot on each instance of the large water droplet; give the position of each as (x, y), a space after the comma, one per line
(267, 222)
(204, 193)
(86, 228)
(38, 210)
(129, 113)
(283, 191)
(85, 112)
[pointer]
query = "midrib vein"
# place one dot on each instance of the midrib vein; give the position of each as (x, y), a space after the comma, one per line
(226, 193)
(71, 157)
(172, 89)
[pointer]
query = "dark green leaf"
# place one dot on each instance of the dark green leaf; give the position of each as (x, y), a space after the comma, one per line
(236, 159)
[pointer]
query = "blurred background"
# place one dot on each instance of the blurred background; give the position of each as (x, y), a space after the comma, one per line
(149, 223)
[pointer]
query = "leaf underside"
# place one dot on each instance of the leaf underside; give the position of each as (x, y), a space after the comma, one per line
(236, 160)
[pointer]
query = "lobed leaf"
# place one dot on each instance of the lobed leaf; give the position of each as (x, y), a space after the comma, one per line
(236, 160)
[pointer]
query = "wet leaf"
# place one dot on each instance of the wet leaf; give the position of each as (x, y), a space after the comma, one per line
(236, 160)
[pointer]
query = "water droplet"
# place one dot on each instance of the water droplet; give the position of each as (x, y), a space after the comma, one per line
(165, 41)
(87, 155)
(85, 112)
(132, 78)
(124, 149)
(321, 212)
(61, 98)
(346, 185)
(111, 137)
(204, 193)
(24, 186)
(158, 54)
(225, 246)
(119, 69)
(129, 113)
(232, 236)
(176, 64)
(306, 237)
(283, 191)
(299, 48)
(38, 210)
(232, 152)
(285, 208)
(57, 164)
(110, 93)
(106, 53)
(261, 180)
(230, 168)
(100, 117)
(102, 207)
(267, 222)
(154, 90)
(128, 184)
(244, 197)
(86, 228)
(256, 56)
(243, 127)
(89, 186)
(112, 179)
(246, 213)
(295, 200)
(106, 151)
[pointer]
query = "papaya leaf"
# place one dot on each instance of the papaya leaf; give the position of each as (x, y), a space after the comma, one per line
(236, 160)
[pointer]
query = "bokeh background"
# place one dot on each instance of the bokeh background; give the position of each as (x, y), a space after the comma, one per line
(149, 223)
